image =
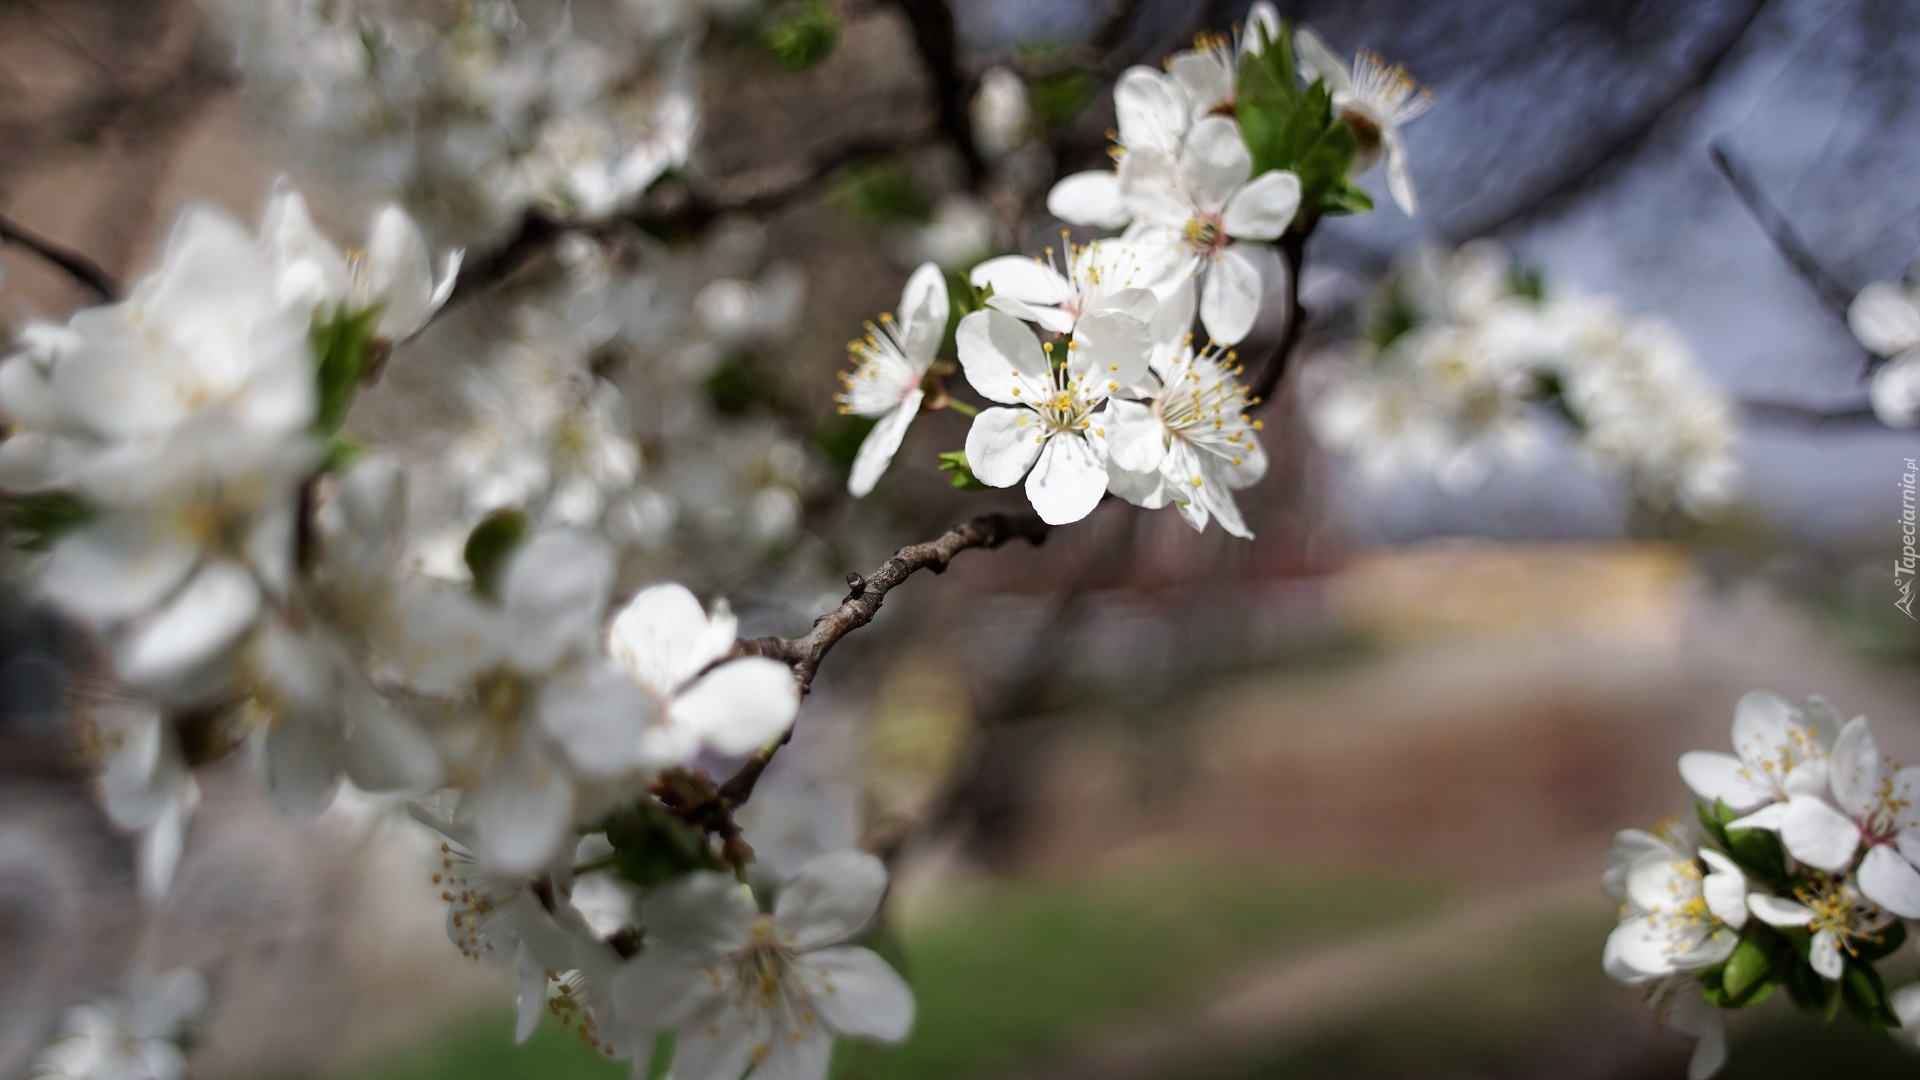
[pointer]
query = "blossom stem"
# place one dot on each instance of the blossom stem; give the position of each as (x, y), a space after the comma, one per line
(960, 407)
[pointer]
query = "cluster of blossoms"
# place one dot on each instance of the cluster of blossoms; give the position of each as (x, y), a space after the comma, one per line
(1470, 361)
(1798, 875)
(252, 580)
(479, 111)
(1885, 317)
(135, 1034)
(1088, 356)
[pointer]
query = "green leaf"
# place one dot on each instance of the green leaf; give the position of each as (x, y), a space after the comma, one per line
(955, 462)
(1060, 96)
(1711, 821)
(651, 846)
(1345, 198)
(342, 451)
(1324, 162)
(344, 354)
(1758, 852)
(491, 544)
(34, 522)
(801, 35)
(1527, 281)
(1746, 970)
(882, 194)
(1866, 995)
(736, 387)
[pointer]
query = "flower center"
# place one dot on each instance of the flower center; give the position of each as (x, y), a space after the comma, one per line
(1205, 233)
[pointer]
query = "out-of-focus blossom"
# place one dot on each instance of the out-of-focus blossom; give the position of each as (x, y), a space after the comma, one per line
(889, 364)
(132, 1035)
(1885, 317)
(1376, 99)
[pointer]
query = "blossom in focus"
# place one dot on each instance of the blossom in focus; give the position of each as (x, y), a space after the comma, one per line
(132, 1035)
(1375, 100)
(1152, 113)
(1780, 751)
(1204, 213)
(1835, 913)
(1873, 806)
(678, 654)
(742, 989)
(1885, 317)
(889, 363)
(1190, 443)
(1048, 430)
(1104, 275)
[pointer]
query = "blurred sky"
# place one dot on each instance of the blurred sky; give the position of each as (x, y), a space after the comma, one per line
(1816, 97)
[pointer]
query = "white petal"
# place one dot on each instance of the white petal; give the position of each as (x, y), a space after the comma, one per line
(831, 899)
(1068, 480)
(1110, 349)
(1263, 26)
(1854, 769)
(1002, 445)
(399, 273)
(801, 1051)
(856, 993)
(1320, 61)
(1399, 181)
(1150, 109)
(1214, 162)
(739, 706)
(530, 994)
(303, 765)
(596, 716)
(1724, 889)
(1885, 318)
(1263, 209)
(521, 810)
(1136, 440)
(1023, 278)
(1173, 319)
(706, 914)
(1817, 834)
(1723, 777)
(554, 595)
(162, 845)
(204, 618)
(1771, 817)
(1825, 955)
(1895, 392)
(1906, 1005)
(1149, 183)
(663, 637)
(1778, 911)
(923, 314)
(1206, 81)
(663, 987)
(1891, 881)
(1709, 1025)
(386, 750)
(1230, 299)
(877, 451)
(1001, 357)
(1091, 199)
(718, 1043)
(117, 566)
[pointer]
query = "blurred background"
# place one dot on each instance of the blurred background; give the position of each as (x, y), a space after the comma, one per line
(1162, 805)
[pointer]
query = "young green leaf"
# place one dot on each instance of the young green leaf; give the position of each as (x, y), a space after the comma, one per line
(955, 462)
(36, 521)
(1747, 969)
(491, 544)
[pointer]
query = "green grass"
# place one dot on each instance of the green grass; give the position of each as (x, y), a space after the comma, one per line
(1023, 967)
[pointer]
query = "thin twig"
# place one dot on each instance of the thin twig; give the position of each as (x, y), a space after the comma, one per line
(1792, 414)
(77, 266)
(804, 653)
(1832, 295)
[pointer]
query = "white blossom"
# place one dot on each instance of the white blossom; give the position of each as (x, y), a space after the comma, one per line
(1375, 99)
(889, 363)
(132, 1035)
(678, 654)
(1683, 910)
(1105, 275)
(1002, 116)
(742, 989)
(1834, 912)
(147, 786)
(1780, 750)
(1207, 72)
(1885, 317)
(392, 272)
(1049, 431)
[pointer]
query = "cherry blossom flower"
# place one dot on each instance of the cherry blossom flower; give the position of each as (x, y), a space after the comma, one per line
(742, 989)
(1208, 71)
(1152, 113)
(1782, 752)
(147, 787)
(677, 653)
(133, 1035)
(1050, 434)
(1683, 911)
(392, 272)
(1885, 317)
(1204, 213)
(1375, 100)
(1105, 275)
(1835, 913)
(1002, 116)
(889, 364)
(1878, 809)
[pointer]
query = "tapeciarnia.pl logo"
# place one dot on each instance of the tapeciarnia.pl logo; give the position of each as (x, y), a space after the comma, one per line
(1904, 566)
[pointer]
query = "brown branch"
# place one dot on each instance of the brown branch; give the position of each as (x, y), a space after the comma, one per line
(1832, 295)
(804, 653)
(76, 266)
(677, 209)
(935, 39)
(1792, 414)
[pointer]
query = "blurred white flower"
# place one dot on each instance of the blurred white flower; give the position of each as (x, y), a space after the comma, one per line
(1207, 72)
(745, 990)
(1885, 317)
(1683, 911)
(147, 787)
(959, 232)
(133, 1035)
(1002, 118)
(393, 272)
